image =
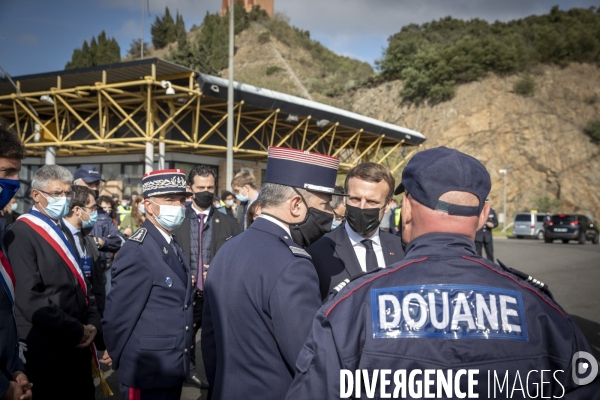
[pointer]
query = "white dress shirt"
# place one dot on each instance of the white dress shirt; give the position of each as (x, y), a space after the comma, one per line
(74, 231)
(167, 236)
(361, 251)
(276, 222)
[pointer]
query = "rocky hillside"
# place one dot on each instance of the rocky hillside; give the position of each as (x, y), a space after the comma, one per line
(540, 136)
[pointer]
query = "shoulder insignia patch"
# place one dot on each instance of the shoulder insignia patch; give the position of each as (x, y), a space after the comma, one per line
(300, 252)
(139, 235)
(534, 282)
(342, 285)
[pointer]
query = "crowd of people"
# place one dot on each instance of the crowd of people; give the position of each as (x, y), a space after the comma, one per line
(289, 282)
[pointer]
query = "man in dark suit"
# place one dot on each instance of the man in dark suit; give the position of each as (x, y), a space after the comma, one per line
(483, 237)
(148, 316)
(244, 187)
(201, 235)
(262, 291)
(358, 246)
(83, 213)
(55, 307)
(13, 381)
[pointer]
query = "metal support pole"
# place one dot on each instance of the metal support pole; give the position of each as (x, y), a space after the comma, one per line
(505, 173)
(229, 169)
(149, 159)
(161, 155)
(50, 155)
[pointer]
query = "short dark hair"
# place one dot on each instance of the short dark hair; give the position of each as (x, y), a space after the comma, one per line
(201, 170)
(109, 200)
(372, 172)
(81, 195)
(225, 194)
(11, 144)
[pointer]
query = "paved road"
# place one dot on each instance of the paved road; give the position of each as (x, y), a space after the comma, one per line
(572, 272)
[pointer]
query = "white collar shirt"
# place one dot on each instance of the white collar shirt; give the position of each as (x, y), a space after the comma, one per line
(361, 251)
(276, 222)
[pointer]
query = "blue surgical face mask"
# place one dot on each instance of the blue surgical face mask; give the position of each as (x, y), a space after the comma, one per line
(57, 207)
(142, 209)
(335, 224)
(93, 217)
(8, 189)
(170, 216)
(241, 197)
(14, 206)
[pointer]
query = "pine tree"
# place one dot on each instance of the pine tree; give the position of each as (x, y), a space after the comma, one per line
(180, 31)
(159, 34)
(135, 48)
(169, 26)
(99, 52)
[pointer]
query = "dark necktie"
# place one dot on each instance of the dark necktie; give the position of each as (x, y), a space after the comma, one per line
(199, 283)
(82, 243)
(371, 259)
(174, 247)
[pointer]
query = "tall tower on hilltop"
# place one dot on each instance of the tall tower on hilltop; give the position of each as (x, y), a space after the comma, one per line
(267, 5)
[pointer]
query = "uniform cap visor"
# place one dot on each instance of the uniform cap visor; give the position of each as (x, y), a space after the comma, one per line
(399, 189)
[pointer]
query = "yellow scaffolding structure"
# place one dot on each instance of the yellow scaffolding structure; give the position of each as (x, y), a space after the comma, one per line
(122, 116)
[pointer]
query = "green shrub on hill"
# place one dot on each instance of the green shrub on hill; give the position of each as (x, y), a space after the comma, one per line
(525, 86)
(592, 128)
(433, 57)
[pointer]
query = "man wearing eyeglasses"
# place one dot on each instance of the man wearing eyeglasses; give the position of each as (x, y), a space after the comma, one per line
(55, 307)
(83, 214)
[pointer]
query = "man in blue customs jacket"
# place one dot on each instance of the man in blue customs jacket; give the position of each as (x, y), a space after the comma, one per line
(149, 310)
(261, 291)
(444, 322)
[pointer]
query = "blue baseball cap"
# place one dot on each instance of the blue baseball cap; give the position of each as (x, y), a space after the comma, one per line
(433, 172)
(302, 169)
(88, 174)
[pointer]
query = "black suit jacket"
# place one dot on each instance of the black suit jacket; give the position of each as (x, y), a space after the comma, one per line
(50, 306)
(335, 260)
(223, 228)
(98, 277)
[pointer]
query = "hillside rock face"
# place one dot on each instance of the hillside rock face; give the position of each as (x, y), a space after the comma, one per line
(540, 137)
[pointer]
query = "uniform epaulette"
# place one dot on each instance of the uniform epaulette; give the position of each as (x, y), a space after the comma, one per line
(139, 235)
(345, 282)
(534, 282)
(300, 252)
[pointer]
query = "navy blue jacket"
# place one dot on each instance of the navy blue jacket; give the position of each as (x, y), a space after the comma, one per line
(335, 259)
(105, 228)
(149, 315)
(260, 296)
(485, 233)
(9, 338)
(491, 320)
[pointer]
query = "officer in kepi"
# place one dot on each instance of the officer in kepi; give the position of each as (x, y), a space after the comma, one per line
(261, 290)
(444, 321)
(483, 237)
(149, 310)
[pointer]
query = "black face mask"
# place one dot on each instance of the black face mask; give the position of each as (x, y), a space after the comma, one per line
(363, 220)
(315, 225)
(204, 199)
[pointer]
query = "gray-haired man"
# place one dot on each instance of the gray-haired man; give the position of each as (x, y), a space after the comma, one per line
(55, 308)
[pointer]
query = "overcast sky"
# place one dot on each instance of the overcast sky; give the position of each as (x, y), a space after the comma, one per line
(40, 35)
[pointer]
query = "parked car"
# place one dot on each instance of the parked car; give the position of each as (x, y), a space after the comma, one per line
(572, 227)
(529, 225)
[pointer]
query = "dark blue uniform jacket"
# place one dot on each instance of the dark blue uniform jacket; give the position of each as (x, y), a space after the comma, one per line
(149, 314)
(260, 297)
(442, 308)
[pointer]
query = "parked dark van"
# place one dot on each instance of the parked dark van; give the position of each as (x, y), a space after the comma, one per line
(571, 227)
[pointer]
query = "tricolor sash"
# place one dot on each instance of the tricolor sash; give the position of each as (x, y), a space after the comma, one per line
(7, 278)
(55, 237)
(47, 229)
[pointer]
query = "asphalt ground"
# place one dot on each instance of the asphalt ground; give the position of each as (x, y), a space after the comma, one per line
(571, 271)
